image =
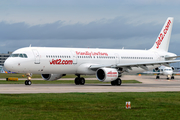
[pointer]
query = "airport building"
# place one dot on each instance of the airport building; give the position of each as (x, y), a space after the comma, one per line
(3, 57)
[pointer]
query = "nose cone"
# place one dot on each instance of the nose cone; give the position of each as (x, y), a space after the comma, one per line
(170, 72)
(8, 64)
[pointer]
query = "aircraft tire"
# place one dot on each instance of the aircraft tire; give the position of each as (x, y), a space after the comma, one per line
(172, 77)
(28, 82)
(82, 81)
(77, 81)
(25, 82)
(113, 82)
(118, 82)
(157, 77)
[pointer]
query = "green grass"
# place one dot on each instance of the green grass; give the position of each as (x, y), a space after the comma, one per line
(61, 82)
(90, 106)
(3, 75)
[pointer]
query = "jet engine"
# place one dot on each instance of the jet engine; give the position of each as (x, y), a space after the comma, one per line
(107, 74)
(156, 69)
(51, 77)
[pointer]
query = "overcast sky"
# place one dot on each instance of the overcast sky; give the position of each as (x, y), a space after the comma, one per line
(132, 24)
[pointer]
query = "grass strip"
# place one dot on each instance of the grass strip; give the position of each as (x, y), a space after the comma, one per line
(19, 75)
(91, 106)
(61, 82)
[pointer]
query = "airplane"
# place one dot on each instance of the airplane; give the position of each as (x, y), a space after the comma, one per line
(163, 70)
(107, 64)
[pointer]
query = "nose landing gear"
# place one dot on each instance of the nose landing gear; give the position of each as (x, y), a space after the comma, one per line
(28, 81)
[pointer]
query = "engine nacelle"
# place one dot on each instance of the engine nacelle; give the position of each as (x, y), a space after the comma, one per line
(156, 69)
(51, 77)
(107, 74)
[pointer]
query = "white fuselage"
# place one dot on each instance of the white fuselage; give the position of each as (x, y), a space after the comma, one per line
(166, 70)
(46, 60)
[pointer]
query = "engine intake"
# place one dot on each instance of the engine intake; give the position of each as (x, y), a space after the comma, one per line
(156, 69)
(106, 74)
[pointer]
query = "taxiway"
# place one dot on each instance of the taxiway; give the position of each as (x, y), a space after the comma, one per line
(149, 84)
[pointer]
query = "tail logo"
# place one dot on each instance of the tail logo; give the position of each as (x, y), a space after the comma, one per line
(162, 35)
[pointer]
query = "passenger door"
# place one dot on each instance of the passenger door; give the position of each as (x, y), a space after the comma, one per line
(36, 56)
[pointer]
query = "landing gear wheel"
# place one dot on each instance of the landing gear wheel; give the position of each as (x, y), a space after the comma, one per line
(76, 81)
(28, 82)
(172, 77)
(25, 82)
(116, 82)
(113, 83)
(157, 77)
(82, 81)
(79, 81)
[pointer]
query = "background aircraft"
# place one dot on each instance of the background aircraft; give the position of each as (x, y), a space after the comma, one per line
(163, 70)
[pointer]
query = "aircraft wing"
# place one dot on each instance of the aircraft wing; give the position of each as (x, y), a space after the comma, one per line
(153, 72)
(176, 72)
(130, 65)
(172, 57)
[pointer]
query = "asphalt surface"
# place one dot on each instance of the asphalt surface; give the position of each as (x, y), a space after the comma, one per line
(149, 84)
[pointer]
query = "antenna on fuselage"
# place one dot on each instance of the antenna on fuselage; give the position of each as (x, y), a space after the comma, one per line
(30, 45)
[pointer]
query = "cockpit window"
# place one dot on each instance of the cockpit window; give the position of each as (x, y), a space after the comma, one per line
(19, 55)
(14, 55)
(167, 70)
(25, 56)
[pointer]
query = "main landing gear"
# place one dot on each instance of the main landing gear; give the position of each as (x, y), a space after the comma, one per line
(28, 81)
(116, 82)
(168, 77)
(79, 80)
(157, 77)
